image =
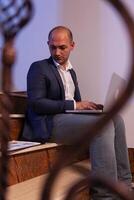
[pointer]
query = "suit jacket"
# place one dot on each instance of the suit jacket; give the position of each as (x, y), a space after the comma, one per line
(46, 97)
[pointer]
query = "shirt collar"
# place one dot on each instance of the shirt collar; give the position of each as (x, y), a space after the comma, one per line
(69, 65)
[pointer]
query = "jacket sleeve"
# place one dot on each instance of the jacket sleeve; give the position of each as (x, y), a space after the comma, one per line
(41, 97)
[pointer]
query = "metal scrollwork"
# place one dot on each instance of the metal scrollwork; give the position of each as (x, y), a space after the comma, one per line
(14, 16)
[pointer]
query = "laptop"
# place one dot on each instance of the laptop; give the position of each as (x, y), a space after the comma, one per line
(116, 86)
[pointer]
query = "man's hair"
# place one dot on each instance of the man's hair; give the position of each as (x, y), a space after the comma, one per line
(69, 32)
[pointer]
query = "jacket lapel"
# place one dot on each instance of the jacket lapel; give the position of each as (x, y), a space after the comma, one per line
(73, 76)
(57, 75)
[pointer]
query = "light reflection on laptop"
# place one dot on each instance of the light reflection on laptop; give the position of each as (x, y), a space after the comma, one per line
(116, 86)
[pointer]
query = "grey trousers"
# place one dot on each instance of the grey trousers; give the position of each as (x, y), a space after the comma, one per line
(108, 150)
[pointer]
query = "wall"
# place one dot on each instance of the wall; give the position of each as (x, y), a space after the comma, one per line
(115, 56)
(102, 46)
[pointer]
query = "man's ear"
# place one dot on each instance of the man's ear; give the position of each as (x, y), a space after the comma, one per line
(48, 43)
(73, 45)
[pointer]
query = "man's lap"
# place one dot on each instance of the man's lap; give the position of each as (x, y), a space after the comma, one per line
(67, 127)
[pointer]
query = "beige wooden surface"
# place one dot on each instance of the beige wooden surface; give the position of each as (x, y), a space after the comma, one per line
(27, 190)
(34, 148)
(31, 189)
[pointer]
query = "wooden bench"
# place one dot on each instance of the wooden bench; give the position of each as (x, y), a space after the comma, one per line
(31, 162)
(17, 116)
(131, 159)
(35, 161)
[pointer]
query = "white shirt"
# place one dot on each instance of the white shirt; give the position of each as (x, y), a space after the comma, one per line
(67, 80)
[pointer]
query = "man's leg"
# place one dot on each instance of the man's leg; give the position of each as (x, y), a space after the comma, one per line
(123, 166)
(102, 151)
(68, 127)
(103, 161)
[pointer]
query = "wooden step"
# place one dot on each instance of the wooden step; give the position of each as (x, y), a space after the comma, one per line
(35, 161)
(17, 116)
(31, 189)
(131, 159)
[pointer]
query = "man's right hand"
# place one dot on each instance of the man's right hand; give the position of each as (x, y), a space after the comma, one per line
(83, 105)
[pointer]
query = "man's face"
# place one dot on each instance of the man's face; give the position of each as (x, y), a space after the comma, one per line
(60, 46)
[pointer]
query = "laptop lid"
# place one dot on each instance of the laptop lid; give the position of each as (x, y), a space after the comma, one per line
(116, 85)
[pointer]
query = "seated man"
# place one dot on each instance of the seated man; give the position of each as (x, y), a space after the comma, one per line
(52, 88)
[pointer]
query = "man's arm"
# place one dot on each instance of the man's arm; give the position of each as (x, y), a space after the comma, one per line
(44, 93)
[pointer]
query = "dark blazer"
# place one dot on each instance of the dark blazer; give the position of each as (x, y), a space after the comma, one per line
(46, 98)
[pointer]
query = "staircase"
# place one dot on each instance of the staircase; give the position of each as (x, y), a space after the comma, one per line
(28, 168)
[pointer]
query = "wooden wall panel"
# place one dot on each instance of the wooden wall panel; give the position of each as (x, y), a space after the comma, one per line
(31, 164)
(12, 174)
(131, 159)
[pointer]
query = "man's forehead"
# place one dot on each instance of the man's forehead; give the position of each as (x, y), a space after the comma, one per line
(59, 35)
(59, 41)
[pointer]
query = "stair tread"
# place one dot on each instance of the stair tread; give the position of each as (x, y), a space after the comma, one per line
(35, 148)
(31, 189)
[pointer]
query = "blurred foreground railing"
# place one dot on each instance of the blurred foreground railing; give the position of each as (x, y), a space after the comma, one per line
(10, 23)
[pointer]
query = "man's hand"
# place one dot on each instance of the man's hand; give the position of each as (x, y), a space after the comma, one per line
(83, 105)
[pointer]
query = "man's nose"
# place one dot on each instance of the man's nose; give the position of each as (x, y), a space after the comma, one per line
(57, 51)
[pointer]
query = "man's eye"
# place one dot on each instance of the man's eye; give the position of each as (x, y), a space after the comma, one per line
(62, 47)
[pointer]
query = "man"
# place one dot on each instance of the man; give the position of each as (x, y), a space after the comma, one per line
(52, 88)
